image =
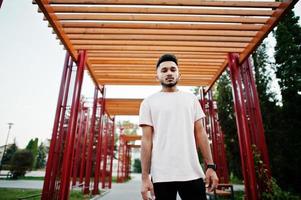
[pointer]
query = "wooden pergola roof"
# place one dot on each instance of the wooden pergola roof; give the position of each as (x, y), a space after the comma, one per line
(122, 106)
(124, 38)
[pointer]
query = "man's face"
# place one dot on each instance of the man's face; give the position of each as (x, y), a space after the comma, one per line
(168, 74)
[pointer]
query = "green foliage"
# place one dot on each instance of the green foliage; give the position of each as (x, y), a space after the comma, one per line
(271, 189)
(32, 146)
(227, 121)
(129, 128)
(21, 161)
(195, 90)
(286, 153)
(288, 57)
(41, 157)
(235, 180)
(137, 165)
(10, 151)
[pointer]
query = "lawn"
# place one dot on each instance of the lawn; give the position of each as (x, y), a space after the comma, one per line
(13, 194)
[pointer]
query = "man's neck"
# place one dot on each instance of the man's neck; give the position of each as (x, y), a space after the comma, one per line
(169, 89)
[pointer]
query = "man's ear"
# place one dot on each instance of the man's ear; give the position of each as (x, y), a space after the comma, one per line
(180, 75)
(157, 78)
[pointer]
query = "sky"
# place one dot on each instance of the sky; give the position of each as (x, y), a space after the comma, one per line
(31, 62)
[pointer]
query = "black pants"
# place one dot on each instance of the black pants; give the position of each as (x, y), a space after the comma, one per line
(188, 190)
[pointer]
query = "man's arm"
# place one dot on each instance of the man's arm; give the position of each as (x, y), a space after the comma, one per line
(203, 143)
(146, 152)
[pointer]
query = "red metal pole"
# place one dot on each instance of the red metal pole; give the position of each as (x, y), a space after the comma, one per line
(223, 161)
(243, 129)
(258, 117)
(99, 147)
(112, 153)
(249, 104)
(83, 147)
(213, 128)
(128, 167)
(91, 143)
(120, 158)
(105, 152)
(67, 162)
(77, 141)
(57, 160)
(49, 166)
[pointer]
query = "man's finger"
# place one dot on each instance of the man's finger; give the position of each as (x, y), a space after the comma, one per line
(144, 195)
(207, 181)
(152, 193)
(215, 182)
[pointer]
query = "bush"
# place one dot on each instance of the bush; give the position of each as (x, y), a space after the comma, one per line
(21, 161)
(272, 191)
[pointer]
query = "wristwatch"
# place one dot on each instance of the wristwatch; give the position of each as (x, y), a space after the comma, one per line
(211, 166)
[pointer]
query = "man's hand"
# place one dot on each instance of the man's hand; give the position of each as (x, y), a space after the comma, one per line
(146, 187)
(211, 179)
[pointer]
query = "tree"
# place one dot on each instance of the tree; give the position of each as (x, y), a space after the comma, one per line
(10, 151)
(41, 157)
(288, 72)
(129, 128)
(21, 161)
(225, 109)
(268, 103)
(137, 165)
(32, 146)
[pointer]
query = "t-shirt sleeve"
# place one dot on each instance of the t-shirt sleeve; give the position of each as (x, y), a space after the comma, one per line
(199, 113)
(145, 114)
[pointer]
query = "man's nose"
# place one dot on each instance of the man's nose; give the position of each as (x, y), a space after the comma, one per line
(169, 72)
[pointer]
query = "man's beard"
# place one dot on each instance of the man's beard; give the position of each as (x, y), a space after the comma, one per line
(169, 85)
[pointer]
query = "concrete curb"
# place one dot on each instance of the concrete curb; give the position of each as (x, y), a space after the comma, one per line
(101, 195)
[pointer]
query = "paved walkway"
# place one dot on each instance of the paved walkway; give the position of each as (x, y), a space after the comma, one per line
(131, 190)
(121, 191)
(125, 191)
(26, 184)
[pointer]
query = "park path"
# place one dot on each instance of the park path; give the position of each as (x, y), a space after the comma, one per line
(120, 191)
(131, 190)
(125, 191)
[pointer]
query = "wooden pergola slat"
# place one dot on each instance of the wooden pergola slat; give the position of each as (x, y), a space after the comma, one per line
(243, 4)
(162, 10)
(157, 17)
(124, 38)
(160, 48)
(139, 81)
(169, 25)
(170, 32)
(159, 43)
(158, 37)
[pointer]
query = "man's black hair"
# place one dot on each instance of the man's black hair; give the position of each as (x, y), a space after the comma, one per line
(167, 57)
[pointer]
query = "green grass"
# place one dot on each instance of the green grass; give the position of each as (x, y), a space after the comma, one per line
(32, 178)
(13, 194)
(40, 178)
(239, 195)
(235, 179)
